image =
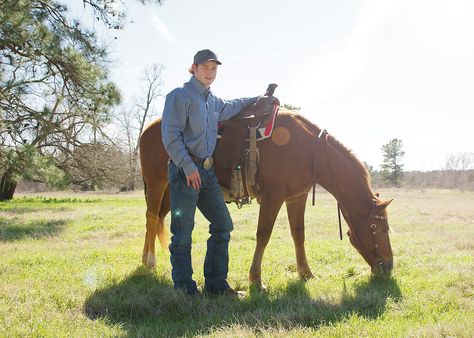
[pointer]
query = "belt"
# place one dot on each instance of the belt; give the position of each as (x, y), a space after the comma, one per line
(206, 163)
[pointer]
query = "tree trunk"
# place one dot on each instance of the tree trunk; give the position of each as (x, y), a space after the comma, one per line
(7, 186)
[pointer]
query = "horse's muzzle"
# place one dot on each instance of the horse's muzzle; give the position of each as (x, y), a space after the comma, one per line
(383, 268)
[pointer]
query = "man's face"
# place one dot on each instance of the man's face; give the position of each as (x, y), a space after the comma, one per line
(205, 72)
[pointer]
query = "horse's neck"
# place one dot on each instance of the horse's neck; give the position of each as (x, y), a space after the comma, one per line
(343, 179)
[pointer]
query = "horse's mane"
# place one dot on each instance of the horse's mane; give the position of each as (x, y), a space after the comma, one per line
(343, 150)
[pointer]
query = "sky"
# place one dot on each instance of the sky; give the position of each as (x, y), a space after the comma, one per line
(367, 71)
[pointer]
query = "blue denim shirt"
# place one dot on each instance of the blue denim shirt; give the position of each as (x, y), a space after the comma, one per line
(189, 122)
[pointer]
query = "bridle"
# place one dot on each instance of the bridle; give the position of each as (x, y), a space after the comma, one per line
(373, 227)
(323, 135)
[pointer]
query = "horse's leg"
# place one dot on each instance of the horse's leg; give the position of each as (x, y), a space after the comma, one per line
(154, 224)
(295, 208)
(270, 204)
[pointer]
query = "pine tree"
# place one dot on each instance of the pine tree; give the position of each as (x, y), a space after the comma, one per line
(392, 169)
(54, 89)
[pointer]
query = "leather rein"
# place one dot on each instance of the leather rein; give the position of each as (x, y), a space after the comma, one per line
(323, 135)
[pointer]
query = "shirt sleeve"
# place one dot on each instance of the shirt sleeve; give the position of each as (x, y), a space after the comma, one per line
(230, 108)
(173, 123)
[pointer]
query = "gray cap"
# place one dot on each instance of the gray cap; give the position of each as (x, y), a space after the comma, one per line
(205, 55)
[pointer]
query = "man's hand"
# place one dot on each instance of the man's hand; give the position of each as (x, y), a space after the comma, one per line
(194, 180)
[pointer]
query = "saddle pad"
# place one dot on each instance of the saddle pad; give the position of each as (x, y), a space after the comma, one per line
(266, 131)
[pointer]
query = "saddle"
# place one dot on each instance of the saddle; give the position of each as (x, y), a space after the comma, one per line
(237, 146)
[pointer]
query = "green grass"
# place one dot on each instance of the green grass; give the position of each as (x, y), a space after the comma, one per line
(70, 267)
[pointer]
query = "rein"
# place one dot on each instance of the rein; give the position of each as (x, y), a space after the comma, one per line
(325, 134)
(371, 218)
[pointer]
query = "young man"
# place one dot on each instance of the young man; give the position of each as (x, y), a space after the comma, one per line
(189, 132)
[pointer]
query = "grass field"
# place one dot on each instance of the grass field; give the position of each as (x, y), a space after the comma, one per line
(70, 267)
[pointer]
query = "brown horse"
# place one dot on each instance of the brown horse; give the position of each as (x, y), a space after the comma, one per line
(297, 155)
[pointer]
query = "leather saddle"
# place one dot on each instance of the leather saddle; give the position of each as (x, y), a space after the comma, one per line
(237, 146)
(234, 133)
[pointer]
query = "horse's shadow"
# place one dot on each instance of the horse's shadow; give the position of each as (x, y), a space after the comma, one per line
(145, 304)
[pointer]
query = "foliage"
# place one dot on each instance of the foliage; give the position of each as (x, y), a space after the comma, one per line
(112, 12)
(31, 165)
(70, 265)
(290, 106)
(392, 169)
(54, 87)
(370, 169)
(457, 164)
(97, 166)
(446, 179)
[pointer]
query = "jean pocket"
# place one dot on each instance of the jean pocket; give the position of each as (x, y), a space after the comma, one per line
(176, 175)
(182, 175)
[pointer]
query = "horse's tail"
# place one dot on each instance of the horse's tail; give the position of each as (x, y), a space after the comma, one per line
(162, 232)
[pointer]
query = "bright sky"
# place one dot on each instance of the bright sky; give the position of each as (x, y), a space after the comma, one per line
(365, 70)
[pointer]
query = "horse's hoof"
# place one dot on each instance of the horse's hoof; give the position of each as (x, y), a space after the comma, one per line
(263, 288)
(306, 276)
(150, 261)
(258, 287)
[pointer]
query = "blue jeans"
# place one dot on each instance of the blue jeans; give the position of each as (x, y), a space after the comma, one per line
(209, 200)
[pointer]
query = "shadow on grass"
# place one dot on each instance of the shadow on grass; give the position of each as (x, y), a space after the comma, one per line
(19, 210)
(145, 304)
(13, 230)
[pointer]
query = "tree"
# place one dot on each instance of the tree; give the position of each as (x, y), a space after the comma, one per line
(54, 89)
(458, 164)
(290, 106)
(392, 169)
(97, 165)
(370, 169)
(133, 121)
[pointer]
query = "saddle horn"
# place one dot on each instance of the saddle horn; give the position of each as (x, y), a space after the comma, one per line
(270, 89)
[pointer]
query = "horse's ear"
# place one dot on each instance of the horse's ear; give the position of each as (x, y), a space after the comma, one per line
(383, 204)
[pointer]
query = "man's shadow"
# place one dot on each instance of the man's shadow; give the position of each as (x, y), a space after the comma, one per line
(146, 304)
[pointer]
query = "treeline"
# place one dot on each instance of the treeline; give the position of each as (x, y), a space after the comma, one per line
(440, 179)
(435, 179)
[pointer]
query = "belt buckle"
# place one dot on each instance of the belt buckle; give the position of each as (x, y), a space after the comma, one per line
(207, 164)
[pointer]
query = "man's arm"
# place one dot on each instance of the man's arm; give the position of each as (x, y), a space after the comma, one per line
(230, 108)
(173, 123)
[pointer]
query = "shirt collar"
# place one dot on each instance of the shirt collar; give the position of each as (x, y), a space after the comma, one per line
(199, 87)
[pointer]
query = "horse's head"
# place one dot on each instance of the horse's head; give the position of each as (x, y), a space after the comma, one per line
(370, 237)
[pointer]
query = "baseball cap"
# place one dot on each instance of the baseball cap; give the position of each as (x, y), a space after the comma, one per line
(205, 55)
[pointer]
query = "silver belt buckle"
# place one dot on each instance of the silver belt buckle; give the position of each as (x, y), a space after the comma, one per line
(207, 164)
